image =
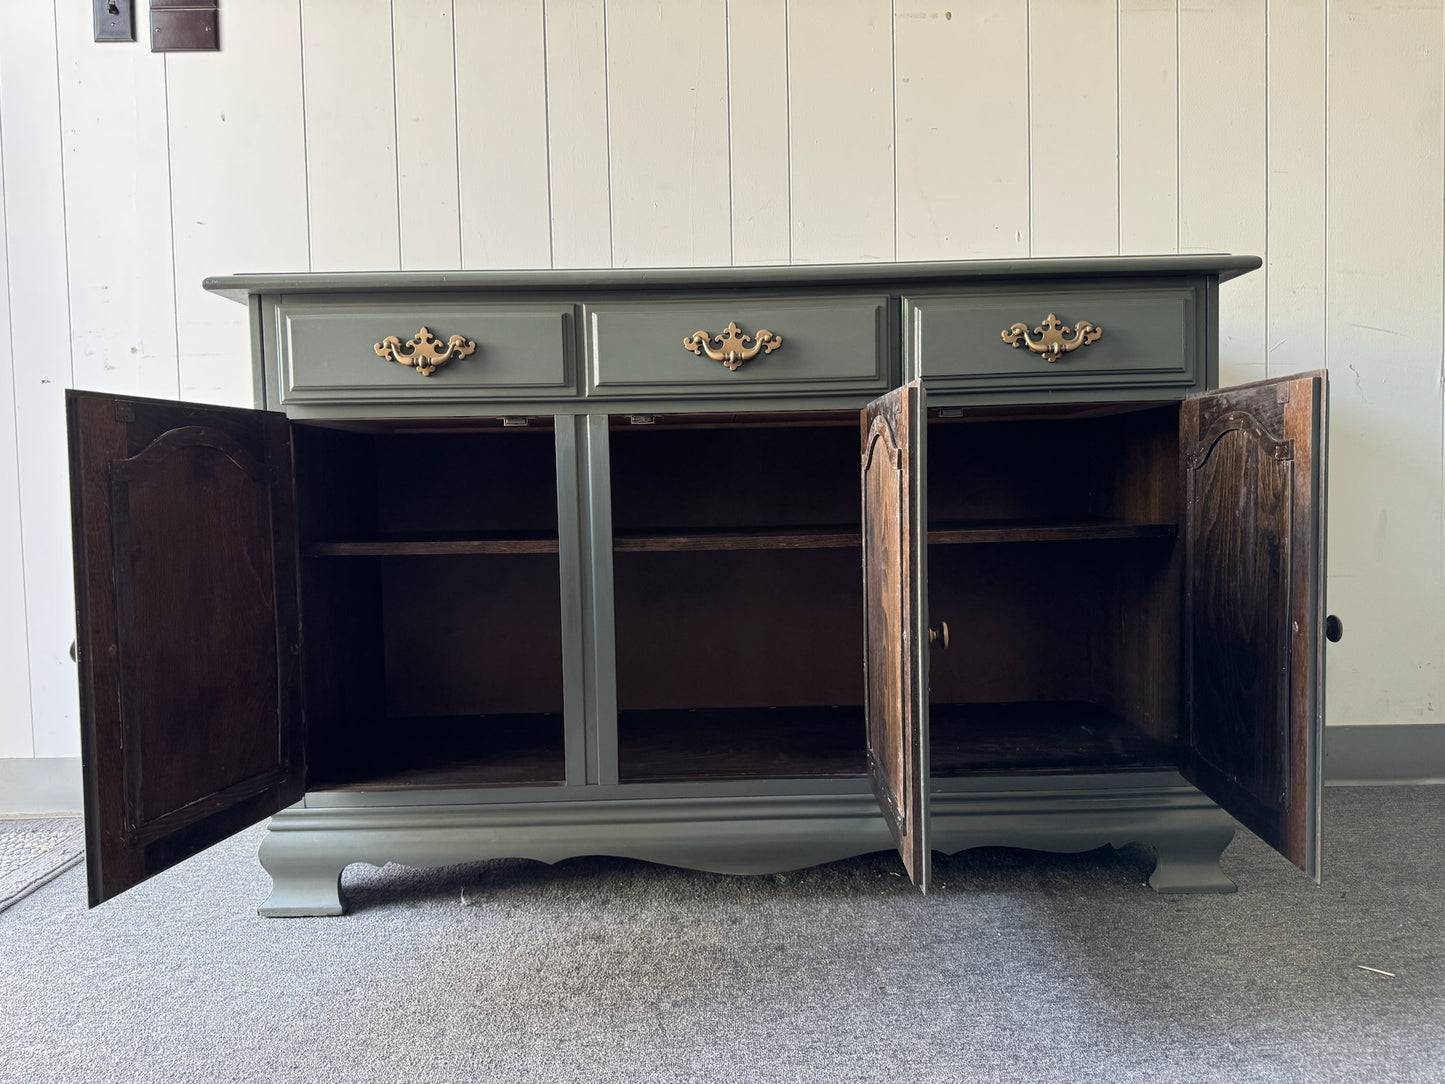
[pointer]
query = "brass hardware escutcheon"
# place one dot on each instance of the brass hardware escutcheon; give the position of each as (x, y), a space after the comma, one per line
(424, 352)
(938, 634)
(1054, 339)
(735, 349)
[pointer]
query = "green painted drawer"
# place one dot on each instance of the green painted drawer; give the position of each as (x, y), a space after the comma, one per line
(1152, 338)
(828, 344)
(327, 352)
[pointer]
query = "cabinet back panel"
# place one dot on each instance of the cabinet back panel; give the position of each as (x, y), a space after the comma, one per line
(1093, 622)
(1022, 621)
(739, 629)
(1120, 466)
(343, 658)
(734, 476)
(472, 635)
(461, 482)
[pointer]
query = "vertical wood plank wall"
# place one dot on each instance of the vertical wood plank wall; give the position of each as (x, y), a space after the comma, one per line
(570, 133)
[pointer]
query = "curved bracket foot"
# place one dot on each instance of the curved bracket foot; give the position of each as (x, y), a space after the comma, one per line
(1187, 855)
(304, 884)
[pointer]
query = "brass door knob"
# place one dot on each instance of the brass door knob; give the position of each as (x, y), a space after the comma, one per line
(938, 635)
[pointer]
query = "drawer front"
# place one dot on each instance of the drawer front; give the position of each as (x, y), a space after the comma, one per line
(1151, 338)
(823, 344)
(328, 352)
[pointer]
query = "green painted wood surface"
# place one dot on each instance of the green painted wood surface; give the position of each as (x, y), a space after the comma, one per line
(954, 341)
(826, 342)
(327, 351)
(798, 276)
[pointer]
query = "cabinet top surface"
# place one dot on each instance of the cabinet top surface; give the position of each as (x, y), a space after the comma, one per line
(920, 274)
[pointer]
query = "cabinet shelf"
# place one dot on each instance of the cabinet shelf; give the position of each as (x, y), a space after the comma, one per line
(964, 533)
(451, 751)
(842, 537)
(1040, 736)
(967, 739)
(424, 546)
(753, 538)
(737, 538)
(750, 538)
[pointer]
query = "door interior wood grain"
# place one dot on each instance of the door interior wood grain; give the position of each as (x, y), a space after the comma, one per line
(895, 619)
(1253, 483)
(188, 637)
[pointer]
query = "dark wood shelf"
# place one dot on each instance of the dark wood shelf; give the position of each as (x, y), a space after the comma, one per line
(954, 534)
(740, 743)
(751, 538)
(737, 538)
(966, 739)
(422, 546)
(449, 751)
(1039, 736)
(844, 537)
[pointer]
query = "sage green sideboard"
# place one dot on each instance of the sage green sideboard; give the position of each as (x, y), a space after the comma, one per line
(553, 563)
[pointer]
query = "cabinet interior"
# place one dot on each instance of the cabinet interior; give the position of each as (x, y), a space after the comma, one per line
(738, 597)
(431, 604)
(431, 596)
(1064, 617)
(1052, 556)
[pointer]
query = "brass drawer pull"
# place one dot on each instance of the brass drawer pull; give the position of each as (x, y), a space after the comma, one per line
(425, 351)
(734, 350)
(1054, 339)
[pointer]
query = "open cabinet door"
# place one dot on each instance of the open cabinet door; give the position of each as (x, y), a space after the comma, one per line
(185, 560)
(1253, 464)
(895, 645)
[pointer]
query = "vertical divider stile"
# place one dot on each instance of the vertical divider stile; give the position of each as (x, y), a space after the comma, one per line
(600, 628)
(584, 519)
(571, 546)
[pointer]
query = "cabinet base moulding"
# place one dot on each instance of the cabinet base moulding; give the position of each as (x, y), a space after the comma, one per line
(307, 848)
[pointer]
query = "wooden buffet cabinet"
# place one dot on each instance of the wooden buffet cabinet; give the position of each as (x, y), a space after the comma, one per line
(544, 564)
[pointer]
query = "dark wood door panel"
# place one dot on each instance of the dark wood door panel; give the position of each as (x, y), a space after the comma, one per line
(894, 581)
(1254, 570)
(188, 637)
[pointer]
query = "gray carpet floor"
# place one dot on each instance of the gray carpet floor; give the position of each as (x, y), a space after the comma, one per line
(34, 851)
(1022, 967)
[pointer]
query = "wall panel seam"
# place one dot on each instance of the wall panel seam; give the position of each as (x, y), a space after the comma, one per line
(396, 139)
(607, 121)
(547, 123)
(171, 215)
(64, 221)
(1029, 118)
(456, 142)
(305, 140)
(19, 507)
(788, 91)
(893, 90)
(1268, 176)
(732, 188)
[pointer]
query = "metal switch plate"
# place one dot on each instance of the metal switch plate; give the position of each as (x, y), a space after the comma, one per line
(114, 20)
(184, 26)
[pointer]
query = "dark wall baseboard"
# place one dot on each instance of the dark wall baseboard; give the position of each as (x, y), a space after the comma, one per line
(1386, 753)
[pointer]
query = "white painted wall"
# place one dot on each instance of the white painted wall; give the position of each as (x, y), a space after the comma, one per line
(569, 133)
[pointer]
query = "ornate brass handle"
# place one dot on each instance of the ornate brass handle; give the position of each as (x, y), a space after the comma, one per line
(735, 349)
(938, 634)
(425, 352)
(1054, 339)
